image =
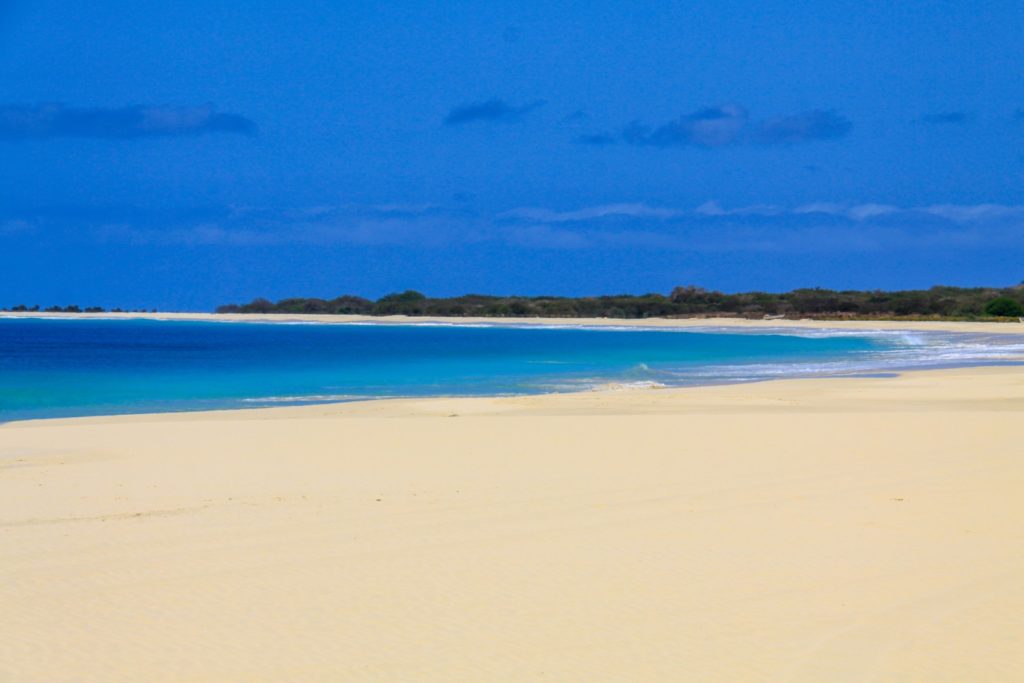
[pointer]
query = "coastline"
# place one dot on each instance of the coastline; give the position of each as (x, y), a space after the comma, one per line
(952, 345)
(800, 529)
(1001, 381)
(739, 323)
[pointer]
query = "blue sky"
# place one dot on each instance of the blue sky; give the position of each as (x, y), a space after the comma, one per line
(181, 155)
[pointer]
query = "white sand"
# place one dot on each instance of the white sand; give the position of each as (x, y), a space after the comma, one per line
(936, 326)
(811, 530)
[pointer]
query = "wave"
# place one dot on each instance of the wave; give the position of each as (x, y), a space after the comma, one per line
(314, 398)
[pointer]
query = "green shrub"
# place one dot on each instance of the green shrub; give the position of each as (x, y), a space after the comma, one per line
(408, 296)
(1004, 306)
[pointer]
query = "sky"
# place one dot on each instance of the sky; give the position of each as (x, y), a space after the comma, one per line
(184, 155)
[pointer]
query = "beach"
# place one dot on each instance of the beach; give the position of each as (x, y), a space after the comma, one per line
(845, 529)
(1008, 327)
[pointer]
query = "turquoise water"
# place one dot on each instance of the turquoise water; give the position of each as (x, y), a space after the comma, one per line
(51, 368)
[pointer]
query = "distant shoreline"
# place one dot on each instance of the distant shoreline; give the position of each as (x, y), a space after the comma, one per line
(989, 327)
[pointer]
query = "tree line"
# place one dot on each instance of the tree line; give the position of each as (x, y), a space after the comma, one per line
(935, 303)
(72, 308)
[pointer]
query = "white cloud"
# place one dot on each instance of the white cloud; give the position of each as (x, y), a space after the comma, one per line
(713, 208)
(592, 212)
(974, 213)
(812, 227)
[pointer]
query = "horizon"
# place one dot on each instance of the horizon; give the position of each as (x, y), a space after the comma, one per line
(185, 156)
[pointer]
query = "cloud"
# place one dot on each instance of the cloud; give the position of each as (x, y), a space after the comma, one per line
(713, 208)
(546, 237)
(855, 212)
(591, 212)
(491, 110)
(859, 213)
(819, 227)
(975, 212)
(46, 121)
(725, 125)
(812, 228)
(708, 127)
(948, 117)
(811, 125)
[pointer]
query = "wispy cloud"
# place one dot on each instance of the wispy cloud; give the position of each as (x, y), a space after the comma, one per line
(956, 213)
(546, 237)
(811, 125)
(725, 125)
(713, 208)
(975, 212)
(46, 121)
(818, 227)
(854, 212)
(592, 212)
(708, 127)
(490, 110)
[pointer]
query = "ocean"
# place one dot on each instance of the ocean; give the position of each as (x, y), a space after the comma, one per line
(80, 367)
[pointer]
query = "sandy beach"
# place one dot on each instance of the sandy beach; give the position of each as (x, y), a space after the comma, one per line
(805, 530)
(1009, 327)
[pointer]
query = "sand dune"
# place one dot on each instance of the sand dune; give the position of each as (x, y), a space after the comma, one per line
(811, 530)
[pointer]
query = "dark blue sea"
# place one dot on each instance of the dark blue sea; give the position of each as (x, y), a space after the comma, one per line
(60, 367)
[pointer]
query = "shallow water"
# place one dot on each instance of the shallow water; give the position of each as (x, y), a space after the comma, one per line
(51, 368)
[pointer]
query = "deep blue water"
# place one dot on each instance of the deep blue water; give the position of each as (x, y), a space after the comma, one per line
(51, 368)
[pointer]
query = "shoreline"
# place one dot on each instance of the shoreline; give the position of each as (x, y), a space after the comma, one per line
(739, 323)
(605, 395)
(695, 324)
